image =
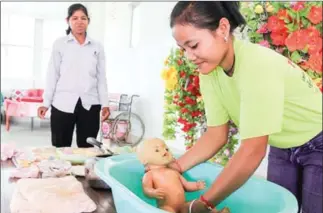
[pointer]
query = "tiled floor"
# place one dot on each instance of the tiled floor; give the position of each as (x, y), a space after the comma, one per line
(22, 135)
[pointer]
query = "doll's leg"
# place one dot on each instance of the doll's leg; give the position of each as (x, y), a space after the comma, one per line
(225, 210)
(169, 209)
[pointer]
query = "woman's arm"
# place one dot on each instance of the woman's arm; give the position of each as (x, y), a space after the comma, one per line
(242, 165)
(52, 75)
(210, 143)
(102, 78)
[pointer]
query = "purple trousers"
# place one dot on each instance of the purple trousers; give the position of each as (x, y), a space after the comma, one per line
(299, 170)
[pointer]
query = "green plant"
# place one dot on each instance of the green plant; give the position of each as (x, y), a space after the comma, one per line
(293, 29)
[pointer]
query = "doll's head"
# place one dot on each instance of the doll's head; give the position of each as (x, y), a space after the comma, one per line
(154, 152)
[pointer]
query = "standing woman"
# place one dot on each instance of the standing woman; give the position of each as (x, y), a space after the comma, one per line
(271, 100)
(76, 87)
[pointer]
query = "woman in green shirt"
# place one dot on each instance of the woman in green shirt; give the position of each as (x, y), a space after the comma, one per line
(270, 99)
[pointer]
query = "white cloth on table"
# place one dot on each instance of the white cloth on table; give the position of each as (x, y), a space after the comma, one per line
(50, 195)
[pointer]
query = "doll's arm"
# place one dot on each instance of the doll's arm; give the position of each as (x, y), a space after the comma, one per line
(192, 186)
(148, 187)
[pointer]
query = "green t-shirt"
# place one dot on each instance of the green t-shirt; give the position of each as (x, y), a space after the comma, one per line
(267, 95)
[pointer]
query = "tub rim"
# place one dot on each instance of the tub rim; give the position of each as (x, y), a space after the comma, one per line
(114, 184)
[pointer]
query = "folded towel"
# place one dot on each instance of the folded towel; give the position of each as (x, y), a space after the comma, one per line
(54, 168)
(27, 172)
(50, 195)
(7, 151)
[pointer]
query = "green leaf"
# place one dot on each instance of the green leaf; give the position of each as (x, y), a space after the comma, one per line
(287, 5)
(245, 11)
(296, 57)
(291, 27)
(304, 12)
(276, 6)
(306, 23)
(319, 27)
(253, 24)
(287, 20)
(311, 73)
(298, 18)
(291, 14)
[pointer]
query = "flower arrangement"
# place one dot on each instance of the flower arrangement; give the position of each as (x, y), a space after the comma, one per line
(184, 108)
(293, 29)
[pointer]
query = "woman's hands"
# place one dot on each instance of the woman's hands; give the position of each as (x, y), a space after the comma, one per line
(205, 148)
(105, 113)
(196, 207)
(42, 112)
(199, 207)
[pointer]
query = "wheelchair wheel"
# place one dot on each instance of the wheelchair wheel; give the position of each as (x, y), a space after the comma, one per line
(128, 129)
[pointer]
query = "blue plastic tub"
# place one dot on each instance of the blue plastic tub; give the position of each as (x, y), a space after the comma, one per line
(123, 174)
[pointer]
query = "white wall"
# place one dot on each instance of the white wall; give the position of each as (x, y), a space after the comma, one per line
(38, 9)
(137, 70)
(154, 21)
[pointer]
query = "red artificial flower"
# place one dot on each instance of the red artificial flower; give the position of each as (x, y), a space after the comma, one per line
(315, 62)
(190, 87)
(319, 83)
(176, 96)
(314, 44)
(275, 24)
(185, 129)
(196, 81)
(304, 65)
(196, 113)
(181, 104)
(181, 121)
(296, 40)
(315, 15)
(283, 14)
(263, 29)
(188, 126)
(190, 101)
(313, 31)
(298, 6)
(179, 62)
(279, 37)
(184, 110)
(264, 43)
(314, 40)
(182, 74)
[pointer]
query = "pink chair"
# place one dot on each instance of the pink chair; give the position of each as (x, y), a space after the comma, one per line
(23, 103)
(33, 95)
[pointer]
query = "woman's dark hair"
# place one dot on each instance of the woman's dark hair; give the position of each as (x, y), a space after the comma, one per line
(71, 11)
(207, 14)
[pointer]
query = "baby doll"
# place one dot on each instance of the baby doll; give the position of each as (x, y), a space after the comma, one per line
(166, 185)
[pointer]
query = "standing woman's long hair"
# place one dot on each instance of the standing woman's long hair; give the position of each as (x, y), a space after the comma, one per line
(71, 10)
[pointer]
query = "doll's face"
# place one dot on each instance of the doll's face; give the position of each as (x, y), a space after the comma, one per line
(154, 152)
